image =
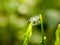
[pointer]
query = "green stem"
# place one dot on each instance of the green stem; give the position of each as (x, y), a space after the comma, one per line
(42, 29)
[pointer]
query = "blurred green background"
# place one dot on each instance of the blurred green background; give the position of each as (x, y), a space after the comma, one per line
(14, 17)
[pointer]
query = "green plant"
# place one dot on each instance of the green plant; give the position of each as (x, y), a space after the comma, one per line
(28, 34)
(42, 29)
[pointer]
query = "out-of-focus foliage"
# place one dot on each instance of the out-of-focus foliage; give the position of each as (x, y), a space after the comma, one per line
(14, 19)
(58, 36)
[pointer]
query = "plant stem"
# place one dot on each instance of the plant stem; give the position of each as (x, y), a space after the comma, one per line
(28, 34)
(42, 29)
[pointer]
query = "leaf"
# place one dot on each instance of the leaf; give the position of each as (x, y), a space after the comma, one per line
(28, 34)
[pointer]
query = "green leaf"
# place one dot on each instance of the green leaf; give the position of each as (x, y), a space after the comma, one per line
(28, 34)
